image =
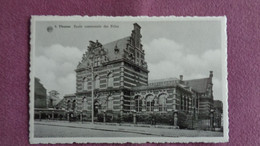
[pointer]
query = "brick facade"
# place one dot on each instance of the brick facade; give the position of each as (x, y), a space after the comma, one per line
(121, 84)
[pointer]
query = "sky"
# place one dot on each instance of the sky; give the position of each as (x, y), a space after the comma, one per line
(172, 48)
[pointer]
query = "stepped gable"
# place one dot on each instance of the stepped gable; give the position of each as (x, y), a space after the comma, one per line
(199, 85)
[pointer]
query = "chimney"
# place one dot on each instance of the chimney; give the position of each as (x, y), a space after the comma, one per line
(136, 34)
(211, 74)
(137, 26)
(181, 77)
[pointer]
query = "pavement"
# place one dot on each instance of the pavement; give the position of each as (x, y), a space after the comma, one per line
(145, 130)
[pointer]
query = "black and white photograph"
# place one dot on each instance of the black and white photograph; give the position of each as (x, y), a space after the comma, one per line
(128, 79)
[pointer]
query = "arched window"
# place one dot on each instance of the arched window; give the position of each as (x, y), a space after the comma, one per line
(85, 84)
(162, 102)
(110, 80)
(110, 103)
(149, 103)
(138, 103)
(84, 103)
(97, 82)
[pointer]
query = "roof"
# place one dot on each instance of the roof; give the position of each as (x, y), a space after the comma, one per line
(60, 102)
(121, 44)
(39, 89)
(154, 86)
(69, 95)
(162, 80)
(162, 83)
(199, 85)
(109, 48)
(217, 103)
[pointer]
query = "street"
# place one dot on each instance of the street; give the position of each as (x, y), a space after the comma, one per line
(57, 131)
(77, 129)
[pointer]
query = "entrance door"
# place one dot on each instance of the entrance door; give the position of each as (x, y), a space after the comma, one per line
(96, 108)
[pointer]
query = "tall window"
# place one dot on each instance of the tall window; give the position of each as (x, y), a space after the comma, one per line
(85, 84)
(162, 102)
(110, 80)
(181, 101)
(74, 105)
(184, 106)
(97, 61)
(110, 103)
(68, 105)
(188, 103)
(197, 101)
(84, 102)
(97, 82)
(149, 103)
(138, 103)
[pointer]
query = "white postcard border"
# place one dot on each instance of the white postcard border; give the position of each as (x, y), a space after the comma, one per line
(225, 138)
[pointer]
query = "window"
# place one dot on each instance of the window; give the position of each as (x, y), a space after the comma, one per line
(197, 102)
(181, 102)
(97, 82)
(84, 102)
(110, 80)
(162, 102)
(184, 106)
(149, 103)
(85, 83)
(188, 104)
(98, 61)
(138, 103)
(110, 103)
(68, 105)
(74, 105)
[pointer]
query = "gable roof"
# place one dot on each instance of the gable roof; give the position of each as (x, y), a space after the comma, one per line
(218, 103)
(59, 104)
(109, 48)
(120, 44)
(199, 85)
(162, 83)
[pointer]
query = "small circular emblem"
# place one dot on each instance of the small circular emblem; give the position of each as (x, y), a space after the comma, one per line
(49, 28)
